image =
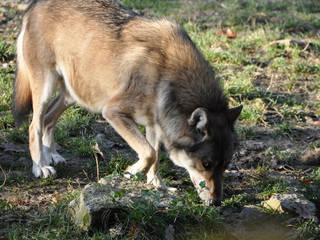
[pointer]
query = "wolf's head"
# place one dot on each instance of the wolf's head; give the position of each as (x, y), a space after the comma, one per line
(206, 149)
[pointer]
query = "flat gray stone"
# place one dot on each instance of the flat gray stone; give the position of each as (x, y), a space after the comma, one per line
(102, 204)
(252, 213)
(291, 203)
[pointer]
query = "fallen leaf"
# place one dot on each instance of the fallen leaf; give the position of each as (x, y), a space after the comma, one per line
(275, 20)
(306, 180)
(230, 33)
(133, 230)
(2, 17)
(220, 33)
(316, 123)
(54, 199)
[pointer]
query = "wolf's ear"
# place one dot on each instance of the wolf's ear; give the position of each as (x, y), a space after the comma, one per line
(234, 113)
(199, 120)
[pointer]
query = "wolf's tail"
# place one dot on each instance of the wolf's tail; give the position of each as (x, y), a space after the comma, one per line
(22, 96)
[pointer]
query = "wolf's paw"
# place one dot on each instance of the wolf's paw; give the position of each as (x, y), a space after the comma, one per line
(57, 158)
(171, 189)
(131, 171)
(156, 181)
(44, 172)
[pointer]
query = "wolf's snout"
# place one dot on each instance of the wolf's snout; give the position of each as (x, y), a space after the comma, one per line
(209, 198)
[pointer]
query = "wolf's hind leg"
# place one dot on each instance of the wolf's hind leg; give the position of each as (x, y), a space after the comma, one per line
(43, 86)
(56, 108)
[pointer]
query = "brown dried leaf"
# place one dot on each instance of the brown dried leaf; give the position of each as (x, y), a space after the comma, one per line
(306, 180)
(230, 33)
(220, 33)
(275, 20)
(316, 123)
(2, 17)
(54, 199)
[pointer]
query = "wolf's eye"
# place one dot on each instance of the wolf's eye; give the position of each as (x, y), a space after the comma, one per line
(206, 164)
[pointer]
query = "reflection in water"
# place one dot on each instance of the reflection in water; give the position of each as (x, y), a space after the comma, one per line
(268, 228)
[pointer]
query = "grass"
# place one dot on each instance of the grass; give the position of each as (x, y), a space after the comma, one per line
(267, 187)
(282, 156)
(116, 165)
(313, 189)
(7, 51)
(54, 224)
(257, 69)
(236, 201)
(155, 8)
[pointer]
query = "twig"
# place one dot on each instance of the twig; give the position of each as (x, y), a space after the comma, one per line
(307, 46)
(97, 150)
(277, 111)
(270, 83)
(97, 164)
(5, 177)
(86, 174)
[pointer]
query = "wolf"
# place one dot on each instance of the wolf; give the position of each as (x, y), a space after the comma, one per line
(134, 71)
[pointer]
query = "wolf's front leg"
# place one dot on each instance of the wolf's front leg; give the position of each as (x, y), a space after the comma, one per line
(130, 132)
(153, 176)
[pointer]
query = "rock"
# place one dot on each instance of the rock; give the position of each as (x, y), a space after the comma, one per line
(252, 213)
(169, 233)
(255, 145)
(22, 6)
(10, 147)
(311, 157)
(292, 203)
(292, 183)
(233, 173)
(105, 143)
(274, 163)
(232, 166)
(102, 204)
(3, 10)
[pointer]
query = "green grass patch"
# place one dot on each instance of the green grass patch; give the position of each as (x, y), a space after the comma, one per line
(236, 201)
(253, 111)
(7, 51)
(52, 224)
(313, 189)
(281, 155)
(116, 165)
(156, 7)
(245, 132)
(6, 87)
(266, 187)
